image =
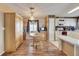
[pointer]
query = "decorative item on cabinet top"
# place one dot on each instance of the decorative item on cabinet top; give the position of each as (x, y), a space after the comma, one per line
(61, 20)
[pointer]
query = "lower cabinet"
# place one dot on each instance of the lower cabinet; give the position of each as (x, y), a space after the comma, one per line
(68, 48)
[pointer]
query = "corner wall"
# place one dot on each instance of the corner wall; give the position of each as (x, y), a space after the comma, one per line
(1, 33)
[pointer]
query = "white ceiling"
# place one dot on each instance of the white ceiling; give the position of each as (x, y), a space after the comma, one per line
(44, 9)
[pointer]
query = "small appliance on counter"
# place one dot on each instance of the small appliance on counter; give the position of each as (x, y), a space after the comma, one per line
(64, 32)
(43, 28)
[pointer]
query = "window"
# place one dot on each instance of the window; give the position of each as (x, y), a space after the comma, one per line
(33, 26)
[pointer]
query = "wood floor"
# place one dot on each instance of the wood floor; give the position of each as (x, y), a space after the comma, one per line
(27, 49)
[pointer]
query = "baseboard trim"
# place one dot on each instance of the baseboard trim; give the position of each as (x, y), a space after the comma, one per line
(2, 53)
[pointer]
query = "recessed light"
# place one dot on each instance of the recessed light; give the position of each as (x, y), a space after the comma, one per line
(73, 10)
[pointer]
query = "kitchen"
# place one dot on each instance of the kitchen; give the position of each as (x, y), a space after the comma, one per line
(66, 40)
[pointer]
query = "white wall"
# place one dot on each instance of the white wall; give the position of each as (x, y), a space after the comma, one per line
(18, 26)
(1, 33)
(18, 30)
(67, 21)
(70, 22)
(41, 22)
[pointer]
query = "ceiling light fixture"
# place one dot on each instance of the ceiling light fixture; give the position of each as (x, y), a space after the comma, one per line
(73, 10)
(32, 13)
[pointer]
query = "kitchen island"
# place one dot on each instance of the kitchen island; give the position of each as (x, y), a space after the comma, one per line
(69, 44)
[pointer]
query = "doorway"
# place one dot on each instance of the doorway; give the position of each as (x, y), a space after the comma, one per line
(33, 26)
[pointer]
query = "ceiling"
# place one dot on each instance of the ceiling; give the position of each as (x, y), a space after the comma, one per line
(5, 8)
(44, 9)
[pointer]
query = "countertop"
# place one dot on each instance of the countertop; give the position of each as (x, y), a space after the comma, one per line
(72, 38)
(69, 39)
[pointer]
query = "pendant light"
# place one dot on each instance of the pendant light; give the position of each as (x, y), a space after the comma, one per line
(32, 13)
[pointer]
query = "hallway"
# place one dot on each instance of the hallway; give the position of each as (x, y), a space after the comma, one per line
(27, 49)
